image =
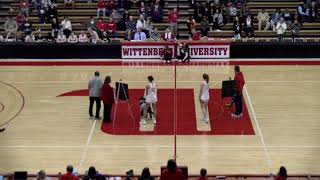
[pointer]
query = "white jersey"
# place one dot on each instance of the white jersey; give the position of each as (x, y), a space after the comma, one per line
(152, 93)
(205, 91)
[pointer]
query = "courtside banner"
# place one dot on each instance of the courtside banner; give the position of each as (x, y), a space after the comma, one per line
(144, 50)
(209, 51)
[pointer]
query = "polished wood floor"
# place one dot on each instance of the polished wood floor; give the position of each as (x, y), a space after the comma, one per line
(51, 132)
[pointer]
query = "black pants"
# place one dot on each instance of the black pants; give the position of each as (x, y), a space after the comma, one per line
(280, 37)
(238, 104)
(98, 105)
(107, 112)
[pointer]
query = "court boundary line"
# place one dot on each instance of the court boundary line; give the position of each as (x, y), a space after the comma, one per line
(269, 162)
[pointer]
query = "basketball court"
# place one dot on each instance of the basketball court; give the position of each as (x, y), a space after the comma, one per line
(45, 111)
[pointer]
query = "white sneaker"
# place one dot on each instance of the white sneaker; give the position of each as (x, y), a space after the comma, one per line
(205, 120)
(143, 121)
(154, 121)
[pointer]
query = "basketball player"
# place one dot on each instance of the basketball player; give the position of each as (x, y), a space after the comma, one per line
(239, 83)
(204, 97)
(151, 100)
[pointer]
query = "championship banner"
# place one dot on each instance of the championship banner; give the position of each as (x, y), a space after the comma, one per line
(144, 51)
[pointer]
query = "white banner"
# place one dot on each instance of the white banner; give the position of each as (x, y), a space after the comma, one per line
(209, 51)
(143, 51)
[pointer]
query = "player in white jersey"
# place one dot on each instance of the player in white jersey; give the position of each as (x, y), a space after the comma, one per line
(151, 100)
(204, 97)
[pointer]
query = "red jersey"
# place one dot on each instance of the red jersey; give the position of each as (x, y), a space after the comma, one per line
(101, 25)
(69, 176)
(167, 175)
(173, 17)
(196, 37)
(111, 26)
(107, 94)
(239, 82)
(102, 4)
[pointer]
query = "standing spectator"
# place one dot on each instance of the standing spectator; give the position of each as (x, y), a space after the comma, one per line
(282, 174)
(130, 28)
(107, 97)
(20, 19)
(155, 35)
(217, 20)
(55, 27)
(11, 37)
(168, 36)
(94, 86)
(239, 83)
(72, 38)
(172, 172)
(92, 173)
(10, 25)
(52, 13)
(191, 23)
(101, 7)
(69, 175)
(83, 38)
(281, 29)
(173, 21)
(146, 175)
(91, 24)
(157, 13)
(195, 35)
(275, 18)
(263, 20)
(140, 35)
(27, 26)
(30, 38)
(205, 26)
(42, 14)
(237, 28)
(111, 28)
(248, 26)
(295, 30)
(61, 38)
(66, 26)
(24, 7)
(232, 12)
(69, 3)
(41, 175)
(203, 171)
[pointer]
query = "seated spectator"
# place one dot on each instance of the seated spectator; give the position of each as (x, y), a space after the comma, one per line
(157, 13)
(101, 8)
(92, 173)
(173, 21)
(282, 174)
(11, 37)
(66, 26)
(36, 4)
(155, 35)
(91, 24)
(167, 54)
(140, 35)
(30, 38)
(148, 26)
(94, 37)
(295, 30)
(143, 10)
(313, 11)
(245, 10)
(248, 26)
(275, 18)
(145, 175)
(42, 14)
(61, 38)
(69, 175)
(263, 20)
(24, 7)
(105, 37)
(110, 7)
(195, 35)
(287, 17)
(168, 36)
(172, 172)
(55, 27)
(198, 10)
(52, 13)
(237, 28)
(232, 12)
(40, 38)
(100, 27)
(281, 29)
(1, 38)
(131, 27)
(27, 26)
(217, 20)
(46, 3)
(20, 19)
(303, 14)
(205, 26)
(83, 38)
(203, 171)
(191, 23)
(117, 17)
(41, 175)
(72, 38)
(140, 23)
(10, 25)
(111, 28)
(69, 3)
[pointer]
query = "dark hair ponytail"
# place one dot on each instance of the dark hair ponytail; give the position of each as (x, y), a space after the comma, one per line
(150, 78)
(206, 77)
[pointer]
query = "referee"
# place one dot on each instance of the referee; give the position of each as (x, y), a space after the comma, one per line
(94, 86)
